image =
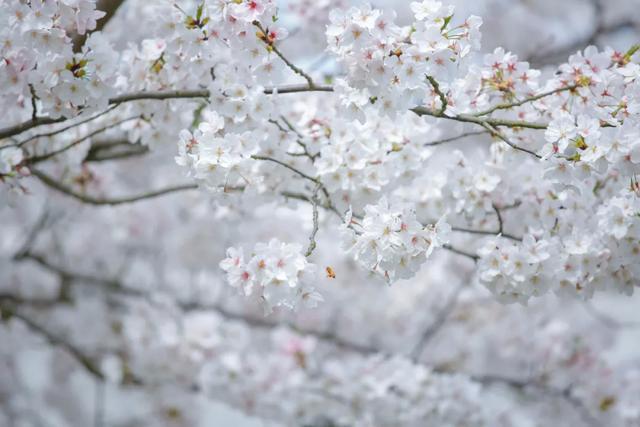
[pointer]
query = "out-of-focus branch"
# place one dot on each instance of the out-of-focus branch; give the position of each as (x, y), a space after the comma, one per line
(455, 138)
(114, 150)
(457, 251)
(9, 307)
(64, 273)
(314, 204)
(488, 233)
(600, 29)
(52, 183)
(436, 325)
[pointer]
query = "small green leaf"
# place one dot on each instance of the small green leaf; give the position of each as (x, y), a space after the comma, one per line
(447, 20)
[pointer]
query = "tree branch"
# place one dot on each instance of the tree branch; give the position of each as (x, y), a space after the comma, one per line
(455, 138)
(314, 204)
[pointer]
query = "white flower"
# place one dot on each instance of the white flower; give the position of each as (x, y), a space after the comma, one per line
(390, 240)
(276, 271)
(9, 158)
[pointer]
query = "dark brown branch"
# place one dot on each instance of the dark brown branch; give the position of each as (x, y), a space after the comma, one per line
(114, 150)
(29, 124)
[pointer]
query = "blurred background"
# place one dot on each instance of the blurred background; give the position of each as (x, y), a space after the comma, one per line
(166, 244)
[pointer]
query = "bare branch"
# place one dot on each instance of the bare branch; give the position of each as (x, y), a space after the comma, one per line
(455, 138)
(464, 118)
(500, 135)
(114, 150)
(527, 100)
(29, 124)
(487, 233)
(314, 203)
(288, 166)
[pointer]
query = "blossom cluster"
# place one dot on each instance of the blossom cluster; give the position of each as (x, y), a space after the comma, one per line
(39, 61)
(277, 272)
(572, 260)
(388, 65)
(358, 161)
(390, 241)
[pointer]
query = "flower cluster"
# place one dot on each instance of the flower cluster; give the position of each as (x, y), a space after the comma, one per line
(215, 159)
(38, 60)
(276, 272)
(597, 136)
(360, 160)
(390, 241)
(388, 65)
(572, 259)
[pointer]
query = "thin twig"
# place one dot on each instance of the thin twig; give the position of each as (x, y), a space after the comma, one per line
(281, 163)
(272, 47)
(469, 255)
(455, 138)
(487, 233)
(314, 204)
(496, 132)
(435, 326)
(525, 100)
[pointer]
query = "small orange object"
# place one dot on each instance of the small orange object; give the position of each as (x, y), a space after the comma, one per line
(330, 273)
